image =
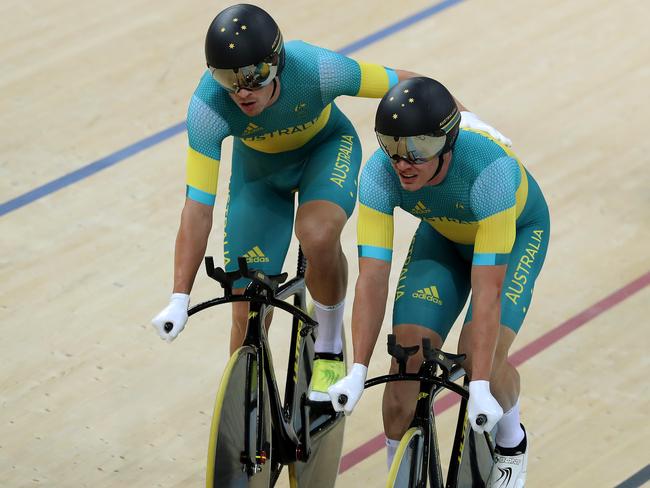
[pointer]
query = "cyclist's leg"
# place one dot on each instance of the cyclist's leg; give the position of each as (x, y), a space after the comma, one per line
(526, 260)
(525, 263)
(327, 196)
(399, 400)
(431, 292)
(319, 224)
(259, 220)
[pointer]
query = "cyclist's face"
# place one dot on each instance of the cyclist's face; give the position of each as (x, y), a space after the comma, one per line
(412, 177)
(253, 102)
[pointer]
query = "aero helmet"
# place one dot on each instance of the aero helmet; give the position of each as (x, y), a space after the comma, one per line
(417, 120)
(244, 48)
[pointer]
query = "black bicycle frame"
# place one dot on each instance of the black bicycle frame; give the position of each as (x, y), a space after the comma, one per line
(262, 293)
(424, 418)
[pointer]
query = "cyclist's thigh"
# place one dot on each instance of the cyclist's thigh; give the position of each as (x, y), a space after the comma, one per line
(524, 265)
(433, 285)
(332, 168)
(259, 215)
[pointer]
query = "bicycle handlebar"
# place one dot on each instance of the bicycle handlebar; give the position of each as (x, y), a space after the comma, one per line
(227, 279)
(269, 284)
(449, 364)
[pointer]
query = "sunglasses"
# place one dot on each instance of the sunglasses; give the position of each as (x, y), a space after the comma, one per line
(413, 149)
(251, 77)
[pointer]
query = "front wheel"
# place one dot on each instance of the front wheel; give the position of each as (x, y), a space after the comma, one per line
(240, 436)
(326, 428)
(406, 470)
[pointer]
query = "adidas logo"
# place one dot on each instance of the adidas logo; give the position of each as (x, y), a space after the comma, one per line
(252, 129)
(420, 209)
(256, 255)
(329, 377)
(430, 294)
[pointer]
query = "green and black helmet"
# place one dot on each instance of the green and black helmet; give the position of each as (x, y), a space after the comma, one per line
(417, 120)
(244, 48)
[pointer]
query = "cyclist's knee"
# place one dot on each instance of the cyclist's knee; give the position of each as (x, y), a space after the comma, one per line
(399, 400)
(318, 238)
(318, 227)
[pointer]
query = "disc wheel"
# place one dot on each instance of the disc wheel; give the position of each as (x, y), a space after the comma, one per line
(240, 435)
(477, 458)
(321, 470)
(406, 470)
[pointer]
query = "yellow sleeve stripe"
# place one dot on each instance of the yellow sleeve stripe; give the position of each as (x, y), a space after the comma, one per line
(521, 196)
(496, 233)
(374, 228)
(375, 80)
(202, 172)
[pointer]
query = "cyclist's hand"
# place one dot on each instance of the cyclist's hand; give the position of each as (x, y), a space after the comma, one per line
(469, 120)
(174, 314)
(482, 404)
(346, 392)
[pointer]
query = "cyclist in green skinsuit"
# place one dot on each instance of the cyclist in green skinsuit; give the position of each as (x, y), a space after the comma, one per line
(277, 100)
(484, 227)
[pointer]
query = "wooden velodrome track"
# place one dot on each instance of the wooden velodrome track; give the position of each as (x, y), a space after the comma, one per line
(90, 397)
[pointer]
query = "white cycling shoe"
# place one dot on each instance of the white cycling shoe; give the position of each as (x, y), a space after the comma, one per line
(509, 470)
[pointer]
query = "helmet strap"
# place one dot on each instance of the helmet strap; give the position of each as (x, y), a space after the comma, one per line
(440, 161)
(275, 85)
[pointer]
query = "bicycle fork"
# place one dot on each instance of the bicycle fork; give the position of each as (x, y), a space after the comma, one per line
(256, 452)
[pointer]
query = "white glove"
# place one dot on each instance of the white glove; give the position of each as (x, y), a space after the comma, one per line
(469, 120)
(175, 314)
(351, 386)
(481, 402)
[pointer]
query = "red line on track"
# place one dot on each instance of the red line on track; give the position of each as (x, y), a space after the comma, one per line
(373, 445)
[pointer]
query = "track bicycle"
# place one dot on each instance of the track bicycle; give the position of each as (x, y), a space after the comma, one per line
(254, 434)
(417, 458)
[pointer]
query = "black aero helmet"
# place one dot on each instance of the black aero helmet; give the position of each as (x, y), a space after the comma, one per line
(244, 48)
(417, 120)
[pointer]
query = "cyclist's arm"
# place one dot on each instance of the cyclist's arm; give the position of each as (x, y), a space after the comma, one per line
(361, 79)
(405, 75)
(206, 129)
(487, 282)
(191, 242)
(370, 295)
(378, 196)
(493, 201)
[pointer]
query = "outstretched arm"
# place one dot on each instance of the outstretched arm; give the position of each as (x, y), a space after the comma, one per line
(192, 239)
(487, 282)
(369, 307)
(191, 243)
(468, 119)
(367, 315)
